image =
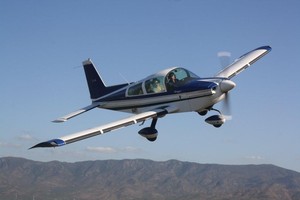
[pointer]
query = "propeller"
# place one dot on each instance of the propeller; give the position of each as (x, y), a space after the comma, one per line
(225, 86)
(227, 107)
(225, 60)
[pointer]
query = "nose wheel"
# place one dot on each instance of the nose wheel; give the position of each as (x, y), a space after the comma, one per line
(216, 120)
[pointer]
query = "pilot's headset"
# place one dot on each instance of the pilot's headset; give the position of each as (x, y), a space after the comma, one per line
(170, 75)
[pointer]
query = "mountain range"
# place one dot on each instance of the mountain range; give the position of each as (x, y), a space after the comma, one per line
(144, 179)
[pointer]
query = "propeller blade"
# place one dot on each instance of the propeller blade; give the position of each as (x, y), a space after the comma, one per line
(227, 107)
(225, 58)
(226, 104)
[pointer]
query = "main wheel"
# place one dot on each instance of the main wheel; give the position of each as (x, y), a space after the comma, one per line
(202, 113)
(217, 125)
(149, 133)
(152, 139)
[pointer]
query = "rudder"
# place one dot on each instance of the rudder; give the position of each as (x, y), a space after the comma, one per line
(95, 83)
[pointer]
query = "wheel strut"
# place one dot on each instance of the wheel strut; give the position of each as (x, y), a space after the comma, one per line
(216, 110)
(150, 132)
(153, 123)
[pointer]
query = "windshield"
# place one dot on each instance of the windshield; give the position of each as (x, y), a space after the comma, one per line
(178, 77)
(159, 84)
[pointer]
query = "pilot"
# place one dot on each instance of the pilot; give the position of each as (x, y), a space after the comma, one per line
(172, 81)
(156, 86)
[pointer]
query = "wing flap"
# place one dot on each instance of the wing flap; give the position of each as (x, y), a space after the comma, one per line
(244, 62)
(106, 128)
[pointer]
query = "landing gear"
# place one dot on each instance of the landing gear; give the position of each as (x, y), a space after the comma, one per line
(202, 113)
(205, 111)
(216, 120)
(150, 132)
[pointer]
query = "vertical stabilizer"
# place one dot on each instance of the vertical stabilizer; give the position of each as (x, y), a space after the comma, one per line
(95, 83)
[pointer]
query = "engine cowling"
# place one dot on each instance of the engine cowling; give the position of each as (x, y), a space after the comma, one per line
(227, 85)
(216, 120)
(149, 133)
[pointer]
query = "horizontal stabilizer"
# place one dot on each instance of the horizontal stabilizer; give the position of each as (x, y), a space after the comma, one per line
(74, 114)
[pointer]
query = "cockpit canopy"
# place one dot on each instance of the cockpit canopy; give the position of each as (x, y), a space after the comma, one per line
(164, 81)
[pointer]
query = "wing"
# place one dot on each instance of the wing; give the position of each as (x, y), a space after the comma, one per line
(243, 62)
(106, 128)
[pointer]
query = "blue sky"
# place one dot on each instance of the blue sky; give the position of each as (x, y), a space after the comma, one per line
(44, 42)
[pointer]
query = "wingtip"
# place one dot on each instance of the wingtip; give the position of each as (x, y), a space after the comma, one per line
(43, 144)
(267, 47)
(60, 120)
(50, 143)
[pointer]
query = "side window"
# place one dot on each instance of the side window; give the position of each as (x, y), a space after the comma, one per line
(155, 85)
(135, 90)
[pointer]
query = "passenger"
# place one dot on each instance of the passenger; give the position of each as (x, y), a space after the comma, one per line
(156, 86)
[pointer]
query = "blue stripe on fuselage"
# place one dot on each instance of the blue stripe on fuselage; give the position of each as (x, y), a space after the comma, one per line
(186, 86)
(196, 85)
(189, 86)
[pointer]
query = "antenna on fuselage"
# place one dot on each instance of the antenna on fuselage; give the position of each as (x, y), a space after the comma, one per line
(123, 77)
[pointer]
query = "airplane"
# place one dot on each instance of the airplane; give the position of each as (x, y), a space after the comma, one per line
(173, 90)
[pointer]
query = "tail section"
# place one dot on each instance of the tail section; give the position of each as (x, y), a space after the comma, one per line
(95, 83)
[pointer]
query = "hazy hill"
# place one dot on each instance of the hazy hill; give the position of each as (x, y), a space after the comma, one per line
(144, 179)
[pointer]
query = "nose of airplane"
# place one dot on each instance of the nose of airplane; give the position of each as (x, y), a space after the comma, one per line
(226, 85)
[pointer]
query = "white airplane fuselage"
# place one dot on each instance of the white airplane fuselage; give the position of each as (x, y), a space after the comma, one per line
(188, 101)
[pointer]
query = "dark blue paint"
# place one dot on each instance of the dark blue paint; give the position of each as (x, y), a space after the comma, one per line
(95, 83)
(50, 143)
